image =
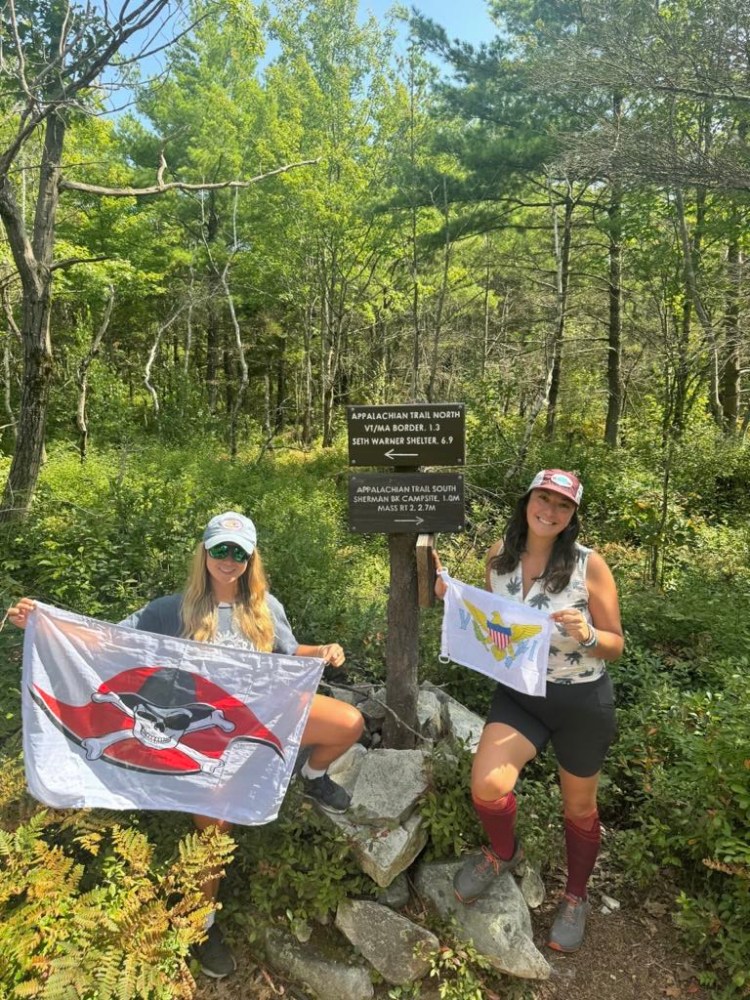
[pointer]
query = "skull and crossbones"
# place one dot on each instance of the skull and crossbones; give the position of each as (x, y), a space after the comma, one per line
(160, 726)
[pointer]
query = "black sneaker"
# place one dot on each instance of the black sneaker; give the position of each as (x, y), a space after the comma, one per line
(326, 793)
(214, 956)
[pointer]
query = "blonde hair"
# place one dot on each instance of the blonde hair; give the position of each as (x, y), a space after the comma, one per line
(252, 616)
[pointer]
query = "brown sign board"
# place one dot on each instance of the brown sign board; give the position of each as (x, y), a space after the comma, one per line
(410, 434)
(406, 502)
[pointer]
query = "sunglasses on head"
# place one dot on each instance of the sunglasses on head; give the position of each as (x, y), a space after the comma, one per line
(225, 549)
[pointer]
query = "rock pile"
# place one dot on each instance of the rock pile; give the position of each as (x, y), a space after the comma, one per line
(387, 836)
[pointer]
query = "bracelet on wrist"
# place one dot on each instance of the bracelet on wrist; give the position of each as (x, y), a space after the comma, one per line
(592, 639)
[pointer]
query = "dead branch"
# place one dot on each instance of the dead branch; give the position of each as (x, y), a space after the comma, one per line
(152, 355)
(160, 187)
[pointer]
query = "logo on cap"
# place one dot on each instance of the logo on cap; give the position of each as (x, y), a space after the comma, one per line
(231, 524)
(560, 480)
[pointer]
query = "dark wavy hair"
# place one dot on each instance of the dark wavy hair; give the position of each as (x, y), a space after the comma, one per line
(562, 560)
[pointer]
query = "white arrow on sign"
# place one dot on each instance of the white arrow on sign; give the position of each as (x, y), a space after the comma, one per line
(409, 520)
(401, 454)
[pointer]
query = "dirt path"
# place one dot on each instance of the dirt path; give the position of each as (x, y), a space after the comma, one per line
(632, 954)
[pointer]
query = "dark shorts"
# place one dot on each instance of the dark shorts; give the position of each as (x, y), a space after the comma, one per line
(579, 719)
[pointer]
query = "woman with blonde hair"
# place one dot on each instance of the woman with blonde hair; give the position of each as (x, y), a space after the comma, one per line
(226, 601)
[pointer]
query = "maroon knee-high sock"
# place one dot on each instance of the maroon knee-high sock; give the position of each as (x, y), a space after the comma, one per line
(582, 841)
(499, 821)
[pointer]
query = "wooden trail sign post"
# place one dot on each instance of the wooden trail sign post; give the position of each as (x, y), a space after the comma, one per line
(405, 503)
(417, 502)
(411, 435)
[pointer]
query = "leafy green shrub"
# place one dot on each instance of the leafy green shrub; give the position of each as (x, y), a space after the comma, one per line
(297, 868)
(447, 812)
(684, 757)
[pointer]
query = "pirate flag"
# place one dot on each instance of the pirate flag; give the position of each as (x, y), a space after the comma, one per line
(123, 719)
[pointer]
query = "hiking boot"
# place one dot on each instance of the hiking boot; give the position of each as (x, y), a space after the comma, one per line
(479, 871)
(214, 956)
(326, 793)
(569, 925)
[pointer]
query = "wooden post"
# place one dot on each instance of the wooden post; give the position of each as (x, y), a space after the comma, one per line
(402, 645)
(426, 570)
(403, 438)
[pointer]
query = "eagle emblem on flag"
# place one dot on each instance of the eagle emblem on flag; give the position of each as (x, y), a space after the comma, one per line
(497, 637)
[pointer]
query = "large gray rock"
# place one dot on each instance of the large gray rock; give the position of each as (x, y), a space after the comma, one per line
(373, 707)
(532, 887)
(397, 894)
(429, 714)
(383, 853)
(458, 722)
(393, 945)
(498, 923)
(325, 977)
(389, 785)
(345, 769)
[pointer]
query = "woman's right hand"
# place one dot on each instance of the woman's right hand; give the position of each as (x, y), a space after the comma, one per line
(440, 585)
(19, 613)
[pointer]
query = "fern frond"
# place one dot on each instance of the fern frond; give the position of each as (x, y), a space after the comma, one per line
(740, 870)
(133, 847)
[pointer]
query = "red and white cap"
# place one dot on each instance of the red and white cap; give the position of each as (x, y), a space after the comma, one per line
(558, 481)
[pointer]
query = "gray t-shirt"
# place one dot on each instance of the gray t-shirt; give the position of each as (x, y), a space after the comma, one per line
(163, 617)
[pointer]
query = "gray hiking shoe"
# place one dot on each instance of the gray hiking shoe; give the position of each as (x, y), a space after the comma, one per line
(326, 793)
(569, 925)
(214, 956)
(479, 871)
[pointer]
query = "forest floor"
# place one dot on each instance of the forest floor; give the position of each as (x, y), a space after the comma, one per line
(630, 954)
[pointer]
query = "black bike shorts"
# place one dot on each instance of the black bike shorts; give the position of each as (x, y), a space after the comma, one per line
(579, 720)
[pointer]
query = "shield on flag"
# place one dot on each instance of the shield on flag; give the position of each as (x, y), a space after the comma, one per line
(499, 634)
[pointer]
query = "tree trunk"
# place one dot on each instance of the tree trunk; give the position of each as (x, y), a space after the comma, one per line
(34, 263)
(614, 346)
(212, 350)
(402, 645)
(307, 381)
(690, 265)
(32, 414)
(729, 377)
(441, 300)
(83, 376)
(682, 368)
(562, 258)
(279, 416)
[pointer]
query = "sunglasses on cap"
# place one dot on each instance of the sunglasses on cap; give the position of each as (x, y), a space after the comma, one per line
(225, 549)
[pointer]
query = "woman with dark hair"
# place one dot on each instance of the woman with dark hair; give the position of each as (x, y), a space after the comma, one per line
(538, 562)
(226, 601)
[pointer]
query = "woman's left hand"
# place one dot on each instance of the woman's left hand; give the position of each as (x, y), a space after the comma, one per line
(333, 654)
(573, 623)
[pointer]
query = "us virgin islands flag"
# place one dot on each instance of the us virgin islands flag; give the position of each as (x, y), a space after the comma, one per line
(122, 719)
(500, 638)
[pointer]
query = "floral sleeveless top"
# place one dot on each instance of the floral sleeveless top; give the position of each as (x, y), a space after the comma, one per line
(567, 663)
